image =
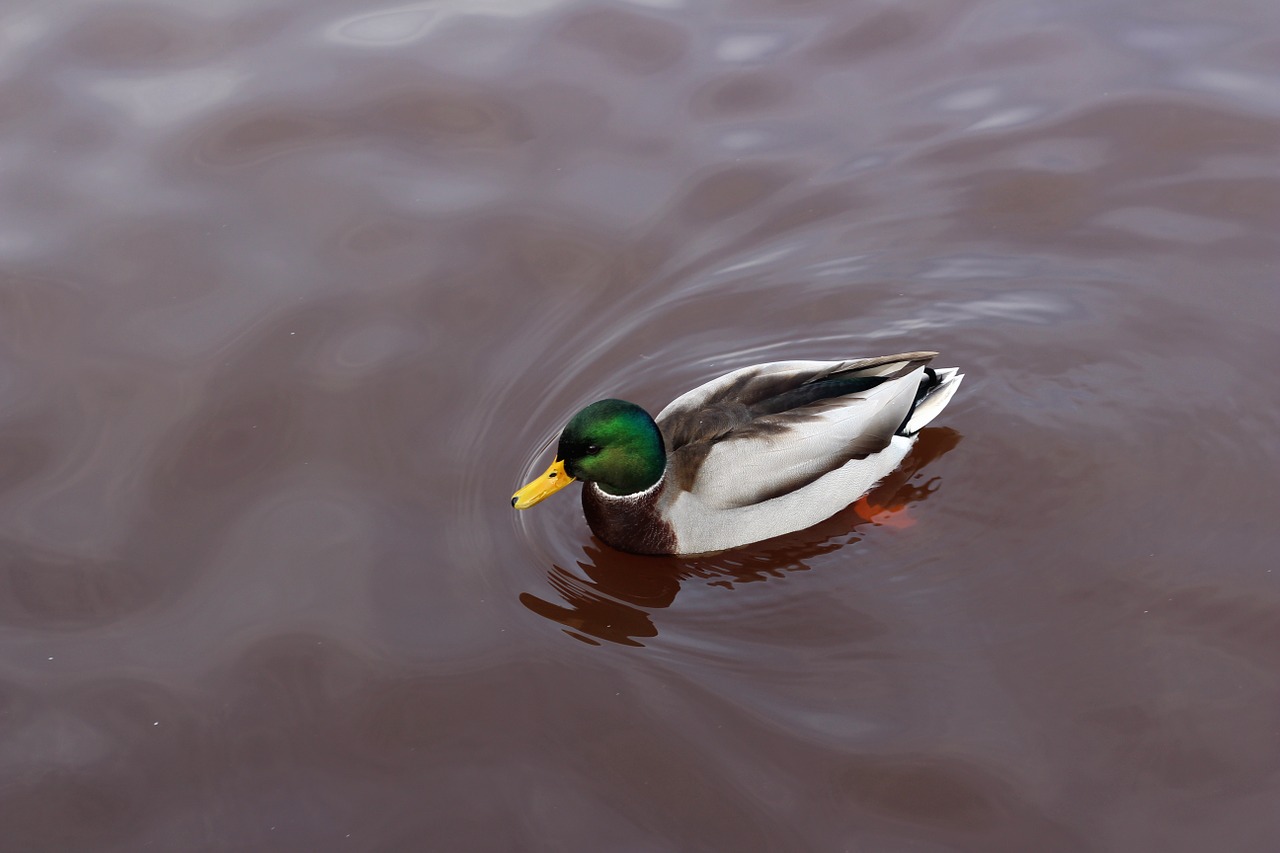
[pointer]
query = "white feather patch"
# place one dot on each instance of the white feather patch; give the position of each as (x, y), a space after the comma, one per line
(700, 527)
(740, 469)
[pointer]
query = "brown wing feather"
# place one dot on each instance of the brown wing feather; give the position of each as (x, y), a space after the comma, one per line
(753, 406)
(759, 404)
(750, 394)
(873, 439)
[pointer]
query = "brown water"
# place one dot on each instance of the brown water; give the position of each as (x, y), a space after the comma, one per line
(292, 294)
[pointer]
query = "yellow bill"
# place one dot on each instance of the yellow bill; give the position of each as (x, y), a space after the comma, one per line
(542, 488)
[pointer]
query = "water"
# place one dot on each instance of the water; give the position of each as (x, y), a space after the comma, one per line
(292, 295)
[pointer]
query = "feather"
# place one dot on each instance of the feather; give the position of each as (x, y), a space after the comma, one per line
(779, 453)
(761, 411)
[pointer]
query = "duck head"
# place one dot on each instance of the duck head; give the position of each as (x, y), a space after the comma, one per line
(612, 443)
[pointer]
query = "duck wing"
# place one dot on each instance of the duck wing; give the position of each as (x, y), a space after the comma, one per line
(769, 429)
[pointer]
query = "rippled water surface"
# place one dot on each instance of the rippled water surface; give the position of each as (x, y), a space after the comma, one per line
(294, 294)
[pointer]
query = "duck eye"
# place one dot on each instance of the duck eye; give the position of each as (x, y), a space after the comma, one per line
(593, 449)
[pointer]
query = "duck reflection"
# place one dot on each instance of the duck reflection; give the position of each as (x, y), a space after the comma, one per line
(614, 594)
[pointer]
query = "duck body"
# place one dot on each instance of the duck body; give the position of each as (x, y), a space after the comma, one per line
(759, 452)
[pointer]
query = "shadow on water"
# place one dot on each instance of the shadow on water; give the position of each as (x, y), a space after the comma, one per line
(617, 594)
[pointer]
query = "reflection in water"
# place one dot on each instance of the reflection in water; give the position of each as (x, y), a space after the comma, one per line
(616, 598)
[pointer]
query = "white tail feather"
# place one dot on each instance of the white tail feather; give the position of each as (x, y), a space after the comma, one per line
(935, 401)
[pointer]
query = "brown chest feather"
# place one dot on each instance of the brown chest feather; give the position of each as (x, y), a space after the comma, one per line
(629, 524)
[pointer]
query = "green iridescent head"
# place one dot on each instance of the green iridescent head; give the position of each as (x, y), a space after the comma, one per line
(614, 444)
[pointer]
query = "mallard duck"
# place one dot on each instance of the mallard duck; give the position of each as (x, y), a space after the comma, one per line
(759, 452)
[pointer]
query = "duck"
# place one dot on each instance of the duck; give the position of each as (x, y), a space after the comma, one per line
(759, 452)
